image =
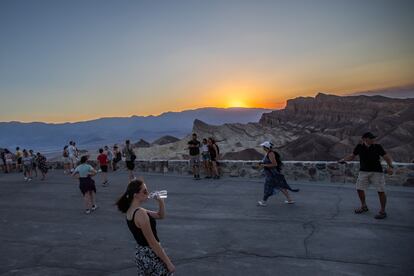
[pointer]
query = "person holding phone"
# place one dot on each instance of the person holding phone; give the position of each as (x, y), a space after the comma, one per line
(150, 257)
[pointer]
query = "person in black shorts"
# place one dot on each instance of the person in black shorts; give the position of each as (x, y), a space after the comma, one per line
(117, 157)
(214, 151)
(194, 148)
(84, 173)
(103, 164)
(129, 159)
(3, 160)
(19, 156)
(370, 171)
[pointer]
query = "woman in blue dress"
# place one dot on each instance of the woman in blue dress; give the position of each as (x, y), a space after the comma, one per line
(274, 180)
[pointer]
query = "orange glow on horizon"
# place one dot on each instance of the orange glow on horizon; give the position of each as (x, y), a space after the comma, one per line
(237, 103)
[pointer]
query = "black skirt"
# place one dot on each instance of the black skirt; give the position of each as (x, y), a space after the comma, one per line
(86, 184)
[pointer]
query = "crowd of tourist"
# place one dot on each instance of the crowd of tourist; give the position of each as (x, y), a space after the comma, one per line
(24, 161)
(151, 258)
(210, 154)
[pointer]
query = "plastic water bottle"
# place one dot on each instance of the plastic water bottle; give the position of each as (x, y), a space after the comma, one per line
(161, 194)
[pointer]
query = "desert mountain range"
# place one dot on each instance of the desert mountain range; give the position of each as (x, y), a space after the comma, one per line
(106, 131)
(324, 127)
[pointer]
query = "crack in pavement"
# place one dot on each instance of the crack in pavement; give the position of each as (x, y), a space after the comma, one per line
(242, 253)
(100, 271)
(313, 227)
(337, 204)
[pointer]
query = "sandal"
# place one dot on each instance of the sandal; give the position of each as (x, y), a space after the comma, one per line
(361, 210)
(381, 215)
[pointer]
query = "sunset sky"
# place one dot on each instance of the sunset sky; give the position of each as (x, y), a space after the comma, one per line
(78, 60)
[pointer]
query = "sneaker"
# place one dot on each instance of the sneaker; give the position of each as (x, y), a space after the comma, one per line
(25, 179)
(30, 179)
(261, 203)
(94, 207)
(381, 215)
(87, 211)
(105, 183)
(289, 202)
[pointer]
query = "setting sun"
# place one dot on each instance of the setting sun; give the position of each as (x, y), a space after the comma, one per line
(237, 103)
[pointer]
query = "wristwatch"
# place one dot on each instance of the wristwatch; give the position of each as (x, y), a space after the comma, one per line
(390, 166)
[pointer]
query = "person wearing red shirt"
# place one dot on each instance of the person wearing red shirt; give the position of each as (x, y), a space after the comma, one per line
(103, 163)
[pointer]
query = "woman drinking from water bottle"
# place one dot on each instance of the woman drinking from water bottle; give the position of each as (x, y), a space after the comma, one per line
(150, 257)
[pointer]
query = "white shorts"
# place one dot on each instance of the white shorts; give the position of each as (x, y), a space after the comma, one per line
(73, 159)
(377, 180)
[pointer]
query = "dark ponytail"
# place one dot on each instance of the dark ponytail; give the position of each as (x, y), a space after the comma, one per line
(124, 202)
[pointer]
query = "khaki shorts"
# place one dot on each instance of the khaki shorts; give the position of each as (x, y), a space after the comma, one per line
(376, 179)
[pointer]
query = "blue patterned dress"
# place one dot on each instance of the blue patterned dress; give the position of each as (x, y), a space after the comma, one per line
(274, 179)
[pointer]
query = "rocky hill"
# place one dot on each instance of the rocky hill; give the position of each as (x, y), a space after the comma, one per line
(167, 139)
(325, 127)
(329, 126)
(142, 144)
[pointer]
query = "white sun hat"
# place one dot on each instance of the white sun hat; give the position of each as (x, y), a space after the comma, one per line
(267, 144)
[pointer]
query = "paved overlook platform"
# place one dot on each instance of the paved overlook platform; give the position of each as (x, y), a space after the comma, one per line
(213, 227)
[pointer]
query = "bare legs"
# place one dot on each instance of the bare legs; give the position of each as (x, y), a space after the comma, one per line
(43, 176)
(131, 175)
(214, 169)
(104, 178)
(287, 195)
(207, 168)
(66, 168)
(89, 200)
(382, 199)
(361, 195)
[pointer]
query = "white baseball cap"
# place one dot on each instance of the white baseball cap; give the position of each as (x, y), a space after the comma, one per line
(267, 144)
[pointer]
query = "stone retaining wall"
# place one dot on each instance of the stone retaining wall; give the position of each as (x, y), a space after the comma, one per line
(320, 171)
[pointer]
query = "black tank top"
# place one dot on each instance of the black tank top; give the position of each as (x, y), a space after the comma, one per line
(137, 232)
